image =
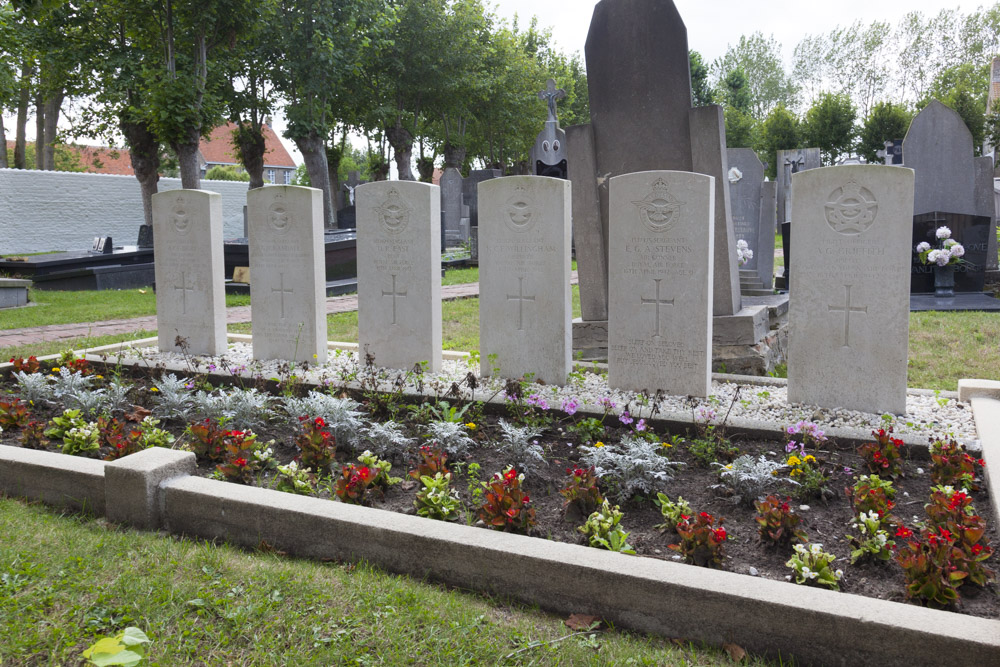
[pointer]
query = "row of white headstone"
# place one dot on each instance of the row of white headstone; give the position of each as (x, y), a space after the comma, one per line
(848, 314)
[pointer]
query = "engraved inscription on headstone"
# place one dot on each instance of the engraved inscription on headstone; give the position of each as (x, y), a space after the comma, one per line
(661, 272)
(849, 311)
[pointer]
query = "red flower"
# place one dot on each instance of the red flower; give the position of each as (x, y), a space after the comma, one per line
(240, 462)
(977, 549)
(720, 534)
(904, 532)
(706, 516)
(319, 422)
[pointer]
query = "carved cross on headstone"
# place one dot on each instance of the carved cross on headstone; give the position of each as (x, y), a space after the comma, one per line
(281, 290)
(550, 95)
(847, 309)
(657, 301)
(184, 289)
(394, 293)
(520, 298)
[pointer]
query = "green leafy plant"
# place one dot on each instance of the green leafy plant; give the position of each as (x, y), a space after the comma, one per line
(952, 465)
(475, 486)
(872, 541)
(811, 565)
(431, 460)
(14, 414)
(883, 456)
(871, 493)
(581, 491)
(33, 436)
(293, 479)
(805, 469)
(703, 540)
(603, 530)
(317, 445)
(81, 440)
(506, 506)
(436, 500)
(930, 572)
(672, 511)
(589, 430)
(353, 484)
(60, 425)
(244, 457)
(207, 440)
(127, 649)
(777, 523)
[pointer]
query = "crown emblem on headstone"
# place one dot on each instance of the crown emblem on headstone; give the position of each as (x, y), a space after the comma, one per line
(659, 210)
(851, 209)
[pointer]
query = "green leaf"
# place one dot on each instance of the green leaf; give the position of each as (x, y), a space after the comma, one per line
(106, 645)
(134, 637)
(123, 657)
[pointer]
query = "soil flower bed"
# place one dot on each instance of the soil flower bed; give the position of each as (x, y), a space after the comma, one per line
(804, 507)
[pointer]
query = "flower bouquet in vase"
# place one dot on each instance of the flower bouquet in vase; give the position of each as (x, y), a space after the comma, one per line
(943, 258)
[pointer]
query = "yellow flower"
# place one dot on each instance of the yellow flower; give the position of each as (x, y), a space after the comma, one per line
(598, 444)
(666, 445)
(55, 369)
(99, 377)
(809, 458)
(793, 461)
(471, 426)
(153, 389)
(315, 356)
(729, 467)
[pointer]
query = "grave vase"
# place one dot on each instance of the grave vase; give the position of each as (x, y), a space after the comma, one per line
(944, 281)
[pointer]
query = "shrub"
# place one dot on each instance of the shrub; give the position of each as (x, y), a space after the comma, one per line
(672, 511)
(353, 484)
(453, 437)
(34, 387)
(386, 439)
(702, 540)
(582, 491)
(341, 415)
(952, 465)
(777, 523)
(317, 445)
(748, 478)
(520, 445)
(883, 456)
(603, 530)
(634, 466)
(173, 397)
(507, 507)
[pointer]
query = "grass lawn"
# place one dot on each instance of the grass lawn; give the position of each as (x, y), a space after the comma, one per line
(77, 579)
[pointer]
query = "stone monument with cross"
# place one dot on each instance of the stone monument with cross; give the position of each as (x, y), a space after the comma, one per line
(642, 119)
(849, 311)
(399, 273)
(524, 277)
(189, 271)
(660, 325)
(287, 273)
(548, 155)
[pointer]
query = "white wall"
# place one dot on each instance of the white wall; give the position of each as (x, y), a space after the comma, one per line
(58, 210)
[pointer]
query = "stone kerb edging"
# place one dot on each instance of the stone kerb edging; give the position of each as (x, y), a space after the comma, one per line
(986, 410)
(647, 594)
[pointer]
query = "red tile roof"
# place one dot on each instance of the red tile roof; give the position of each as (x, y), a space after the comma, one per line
(218, 148)
(94, 159)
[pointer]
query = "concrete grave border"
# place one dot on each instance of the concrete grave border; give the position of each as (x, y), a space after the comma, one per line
(157, 489)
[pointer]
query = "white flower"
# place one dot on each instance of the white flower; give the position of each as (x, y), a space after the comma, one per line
(957, 250)
(809, 574)
(735, 175)
(839, 573)
(923, 246)
(949, 243)
(943, 233)
(943, 257)
(933, 255)
(742, 245)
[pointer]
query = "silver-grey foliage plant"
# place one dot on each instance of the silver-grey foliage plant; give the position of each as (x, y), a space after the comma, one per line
(246, 408)
(520, 445)
(69, 382)
(750, 477)
(451, 437)
(342, 415)
(173, 397)
(34, 387)
(386, 440)
(633, 466)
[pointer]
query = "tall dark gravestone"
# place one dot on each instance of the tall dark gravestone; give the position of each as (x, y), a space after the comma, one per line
(642, 120)
(753, 212)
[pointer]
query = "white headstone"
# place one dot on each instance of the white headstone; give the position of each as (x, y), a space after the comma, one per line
(287, 273)
(849, 312)
(399, 273)
(190, 274)
(660, 282)
(525, 310)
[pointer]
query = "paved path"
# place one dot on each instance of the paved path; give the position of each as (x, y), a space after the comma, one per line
(237, 314)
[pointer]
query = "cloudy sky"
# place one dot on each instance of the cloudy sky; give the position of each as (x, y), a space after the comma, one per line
(712, 24)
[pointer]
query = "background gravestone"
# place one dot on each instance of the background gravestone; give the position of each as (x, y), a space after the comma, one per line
(399, 273)
(788, 163)
(849, 312)
(752, 201)
(949, 179)
(525, 309)
(190, 283)
(548, 155)
(287, 273)
(470, 190)
(451, 206)
(642, 120)
(660, 317)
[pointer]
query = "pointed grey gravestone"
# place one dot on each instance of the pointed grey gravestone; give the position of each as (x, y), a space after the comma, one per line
(642, 120)
(789, 163)
(752, 201)
(287, 273)
(470, 191)
(399, 273)
(190, 276)
(451, 205)
(849, 311)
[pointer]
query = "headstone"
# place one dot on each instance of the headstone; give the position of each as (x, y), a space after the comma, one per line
(590, 231)
(347, 217)
(849, 311)
(451, 206)
(892, 153)
(753, 210)
(399, 273)
(145, 238)
(660, 311)
(470, 190)
(788, 163)
(189, 272)
(287, 273)
(548, 156)
(525, 310)
(972, 231)
(103, 245)
(241, 274)
(948, 178)
(642, 120)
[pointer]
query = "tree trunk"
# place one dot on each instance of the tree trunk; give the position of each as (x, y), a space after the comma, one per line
(144, 150)
(313, 151)
(24, 98)
(334, 154)
(3, 145)
(402, 149)
(187, 160)
(39, 132)
(52, 107)
(454, 156)
(251, 146)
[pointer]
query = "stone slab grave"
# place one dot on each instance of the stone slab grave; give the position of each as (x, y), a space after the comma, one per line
(525, 309)
(661, 255)
(13, 292)
(399, 273)
(189, 272)
(753, 205)
(849, 311)
(287, 273)
(950, 182)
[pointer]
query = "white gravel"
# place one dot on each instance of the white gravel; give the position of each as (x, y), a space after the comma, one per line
(928, 415)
